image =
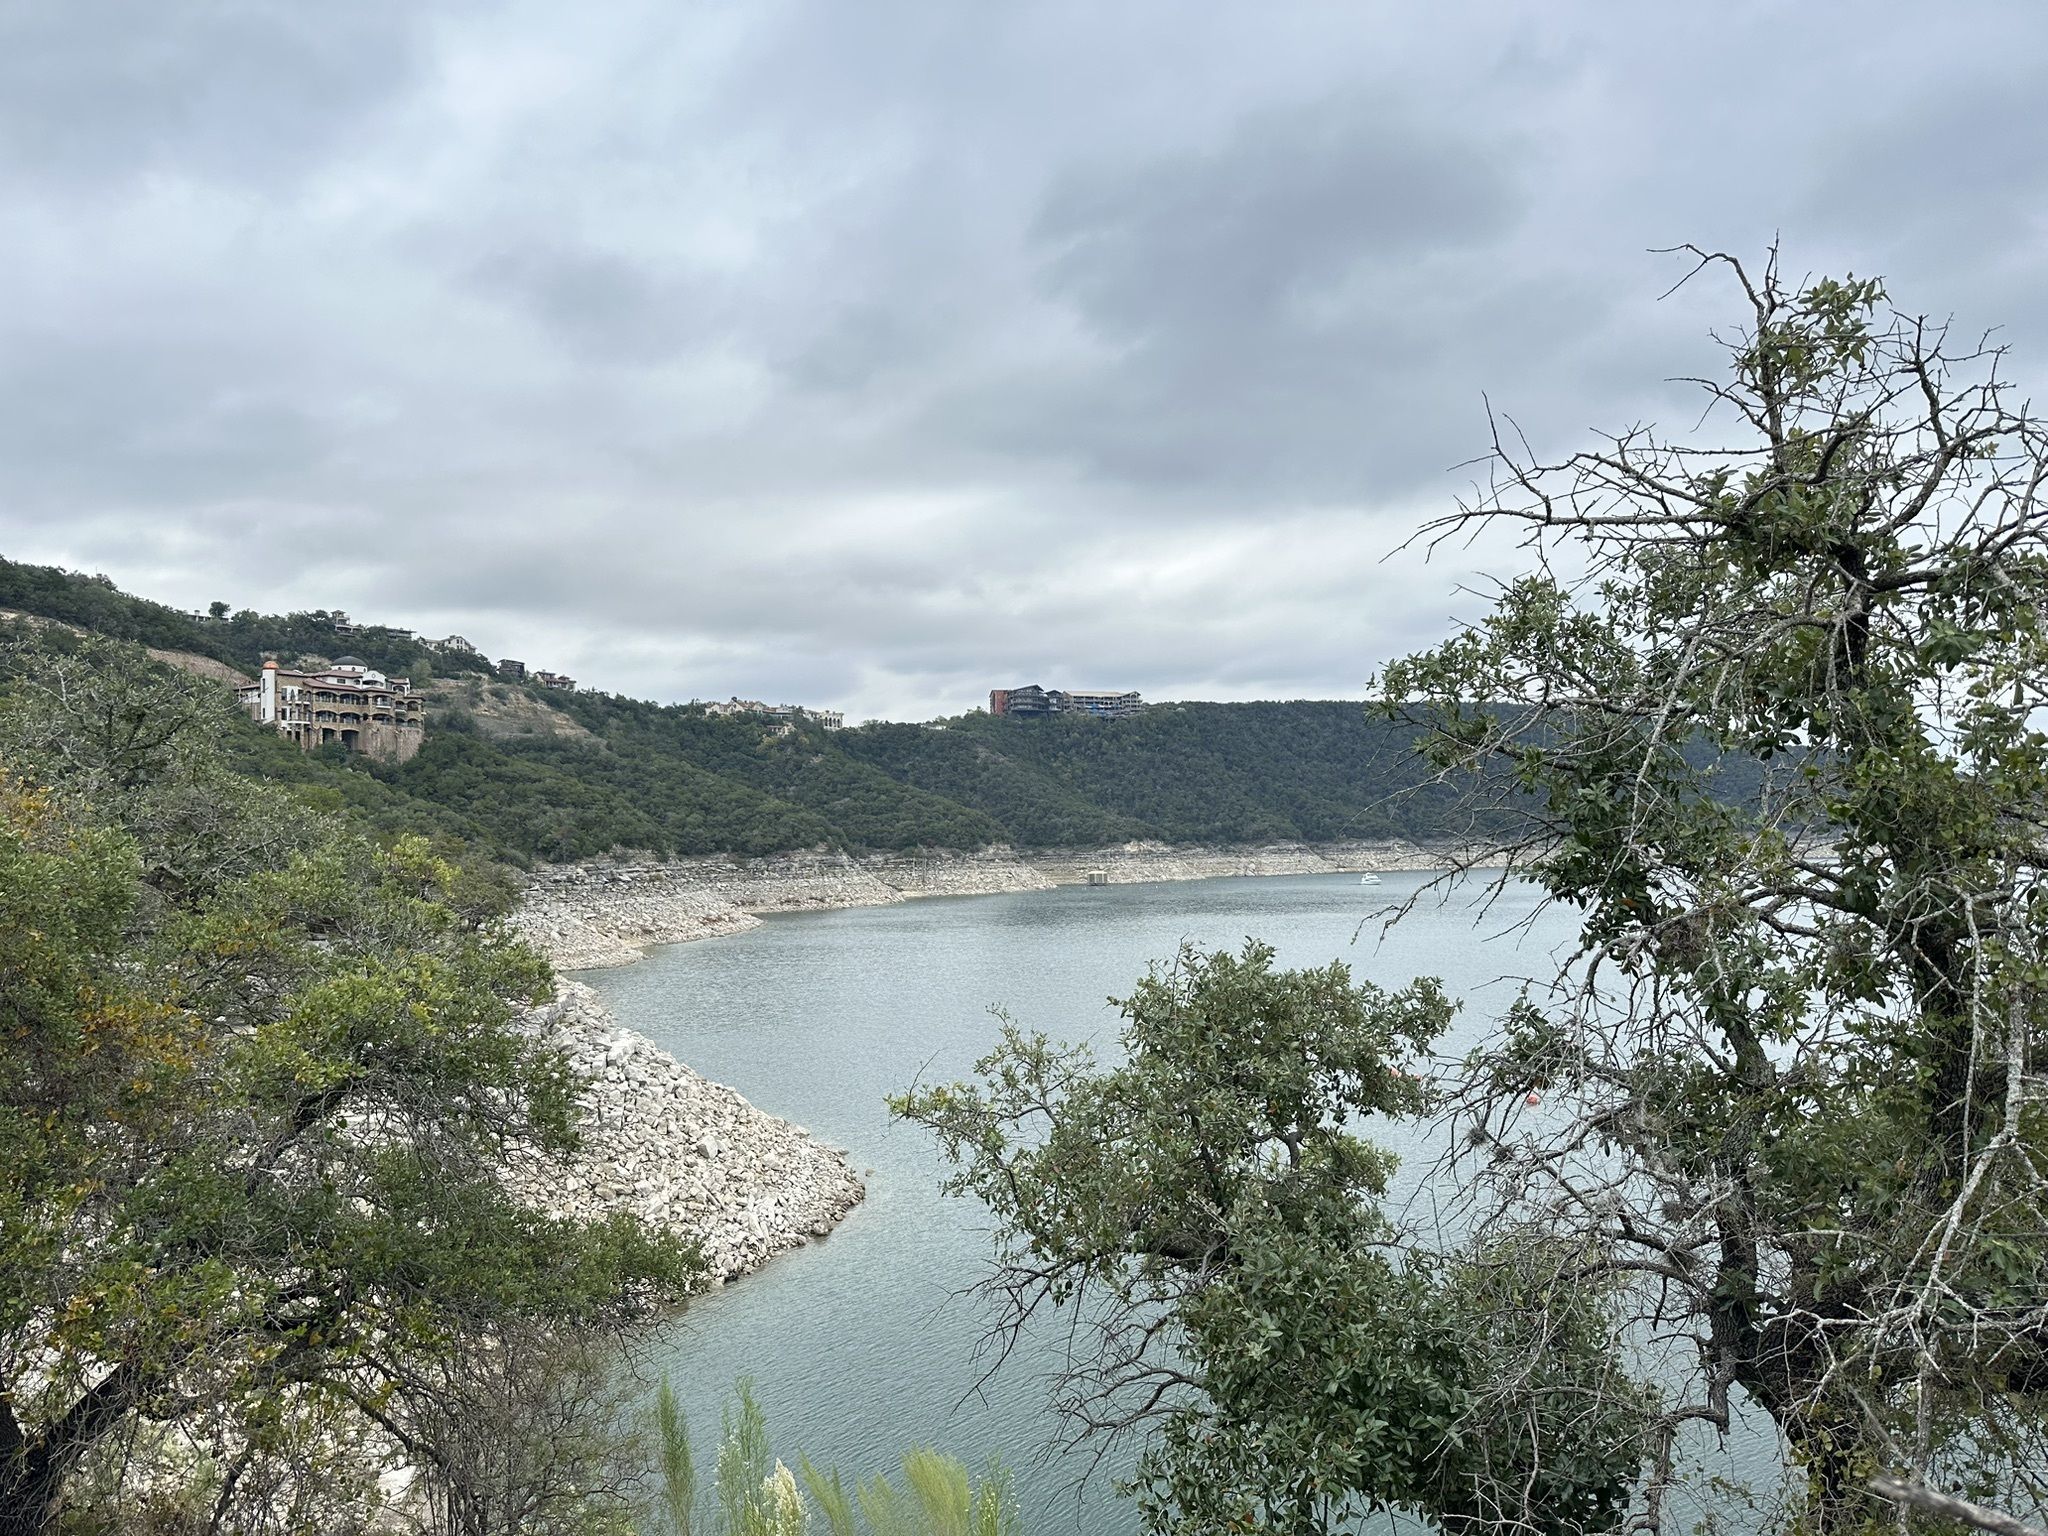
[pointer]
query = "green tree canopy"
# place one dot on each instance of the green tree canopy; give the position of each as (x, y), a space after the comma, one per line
(1208, 1212)
(259, 1082)
(1794, 1074)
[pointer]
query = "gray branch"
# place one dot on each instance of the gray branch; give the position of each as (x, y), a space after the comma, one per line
(1920, 1496)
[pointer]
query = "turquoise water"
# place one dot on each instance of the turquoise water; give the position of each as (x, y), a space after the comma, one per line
(863, 1344)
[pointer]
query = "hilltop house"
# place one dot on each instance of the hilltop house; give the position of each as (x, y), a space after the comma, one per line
(782, 718)
(346, 702)
(1107, 704)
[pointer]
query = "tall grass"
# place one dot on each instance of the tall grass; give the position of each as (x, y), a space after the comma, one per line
(756, 1495)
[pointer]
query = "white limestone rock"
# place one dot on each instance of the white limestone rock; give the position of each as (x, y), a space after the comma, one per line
(663, 1142)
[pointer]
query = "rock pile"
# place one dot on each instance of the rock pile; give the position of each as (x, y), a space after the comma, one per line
(612, 918)
(677, 1150)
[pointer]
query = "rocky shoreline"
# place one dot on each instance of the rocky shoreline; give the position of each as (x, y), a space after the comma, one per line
(586, 916)
(680, 1151)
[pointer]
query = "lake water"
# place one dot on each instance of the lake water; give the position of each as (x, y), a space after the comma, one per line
(863, 1344)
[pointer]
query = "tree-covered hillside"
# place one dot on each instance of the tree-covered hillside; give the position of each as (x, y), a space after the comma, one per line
(863, 805)
(670, 779)
(527, 774)
(240, 639)
(1313, 770)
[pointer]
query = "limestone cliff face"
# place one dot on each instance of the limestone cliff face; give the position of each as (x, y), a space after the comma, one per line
(591, 915)
(680, 1151)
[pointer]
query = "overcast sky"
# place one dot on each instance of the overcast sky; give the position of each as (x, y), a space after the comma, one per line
(871, 354)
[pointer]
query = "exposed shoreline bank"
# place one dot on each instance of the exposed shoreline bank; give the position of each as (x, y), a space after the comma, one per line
(679, 1150)
(587, 916)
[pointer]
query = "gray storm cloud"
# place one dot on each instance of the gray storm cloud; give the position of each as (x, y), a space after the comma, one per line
(872, 355)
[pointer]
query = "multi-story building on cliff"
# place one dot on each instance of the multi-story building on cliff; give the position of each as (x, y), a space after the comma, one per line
(1034, 700)
(782, 718)
(346, 703)
(1028, 700)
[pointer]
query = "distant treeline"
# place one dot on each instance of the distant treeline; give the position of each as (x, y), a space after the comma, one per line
(240, 639)
(673, 781)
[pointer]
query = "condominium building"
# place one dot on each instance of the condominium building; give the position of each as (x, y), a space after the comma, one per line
(1034, 700)
(347, 703)
(1028, 700)
(1110, 704)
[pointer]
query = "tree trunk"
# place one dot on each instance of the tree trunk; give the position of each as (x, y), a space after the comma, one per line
(33, 1469)
(31, 1493)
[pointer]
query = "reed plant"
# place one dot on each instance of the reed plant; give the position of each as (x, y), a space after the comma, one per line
(754, 1494)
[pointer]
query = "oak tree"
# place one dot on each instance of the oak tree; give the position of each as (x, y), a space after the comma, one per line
(1768, 709)
(1206, 1213)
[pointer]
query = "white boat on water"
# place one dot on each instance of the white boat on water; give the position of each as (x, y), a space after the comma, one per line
(1369, 880)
